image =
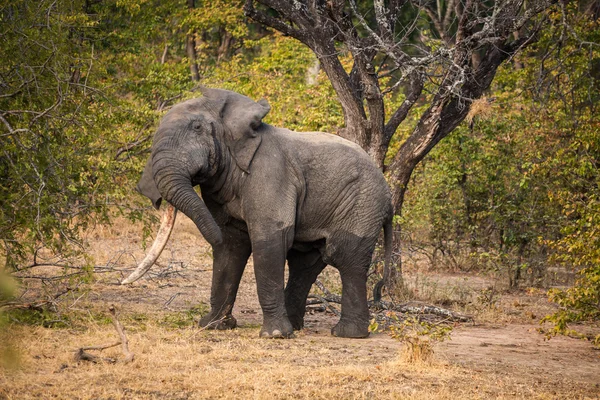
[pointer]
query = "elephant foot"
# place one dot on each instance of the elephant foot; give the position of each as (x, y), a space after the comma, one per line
(218, 323)
(297, 322)
(277, 329)
(355, 330)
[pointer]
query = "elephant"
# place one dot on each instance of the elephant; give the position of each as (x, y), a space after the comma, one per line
(311, 198)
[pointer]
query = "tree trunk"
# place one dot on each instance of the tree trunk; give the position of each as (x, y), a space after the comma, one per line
(190, 48)
(354, 115)
(225, 45)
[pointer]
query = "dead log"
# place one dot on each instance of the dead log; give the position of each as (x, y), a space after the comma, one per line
(423, 308)
(412, 307)
(333, 298)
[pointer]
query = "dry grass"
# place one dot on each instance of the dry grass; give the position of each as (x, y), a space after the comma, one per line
(418, 352)
(189, 365)
(176, 360)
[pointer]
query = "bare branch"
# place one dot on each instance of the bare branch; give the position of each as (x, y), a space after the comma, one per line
(81, 354)
(416, 88)
(449, 15)
(274, 23)
(132, 145)
(11, 130)
(391, 49)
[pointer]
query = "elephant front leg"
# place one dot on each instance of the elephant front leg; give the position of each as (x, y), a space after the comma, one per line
(269, 265)
(230, 258)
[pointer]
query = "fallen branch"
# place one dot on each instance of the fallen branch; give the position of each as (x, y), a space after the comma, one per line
(52, 278)
(317, 307)
(121, 331)
(323, 301)
(173, 268)
(422, 308)
(35, 305)
(81, 354)
(413, 307)
(14, 305)
(333, 298)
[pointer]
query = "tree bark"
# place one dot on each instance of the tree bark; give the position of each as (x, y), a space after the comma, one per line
(190, 48)
(225, 45)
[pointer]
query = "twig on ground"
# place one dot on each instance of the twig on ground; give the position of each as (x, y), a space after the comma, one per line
(168, 302)
(121, 331)
(36, 305)
(173, 268)
(81, 354)
(209, 326)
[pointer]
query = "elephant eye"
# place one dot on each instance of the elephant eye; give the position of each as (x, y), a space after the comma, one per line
(197, 126)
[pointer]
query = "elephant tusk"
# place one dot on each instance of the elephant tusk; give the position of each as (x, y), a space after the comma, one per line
(167, 222)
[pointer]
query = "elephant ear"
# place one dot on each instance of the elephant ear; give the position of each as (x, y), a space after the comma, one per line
(147, 187)
(242, 117)
(243, 151)
(243, 121)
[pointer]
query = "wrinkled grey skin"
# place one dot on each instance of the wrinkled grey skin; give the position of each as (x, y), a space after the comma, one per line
(311, 198)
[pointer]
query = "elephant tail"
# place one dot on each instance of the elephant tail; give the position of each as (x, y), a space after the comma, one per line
(388, 236)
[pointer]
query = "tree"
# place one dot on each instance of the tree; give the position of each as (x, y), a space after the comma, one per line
(445, 52)
(51, 160)
(519, 189)
(392, 45)
(80, 89)
(569, 92)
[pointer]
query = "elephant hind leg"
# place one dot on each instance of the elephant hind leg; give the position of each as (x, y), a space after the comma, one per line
(351, 255)
(304, 267)
(354, 322)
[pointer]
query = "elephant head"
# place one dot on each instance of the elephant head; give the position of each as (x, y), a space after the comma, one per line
(190, 145)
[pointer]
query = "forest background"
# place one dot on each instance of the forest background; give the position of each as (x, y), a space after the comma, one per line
(513, 190)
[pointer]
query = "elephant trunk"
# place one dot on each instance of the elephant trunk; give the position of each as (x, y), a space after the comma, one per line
(175, 185)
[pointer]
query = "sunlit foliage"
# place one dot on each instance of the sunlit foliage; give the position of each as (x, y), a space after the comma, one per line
(517, 190)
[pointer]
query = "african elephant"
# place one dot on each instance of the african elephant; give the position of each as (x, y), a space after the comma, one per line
(311, 198)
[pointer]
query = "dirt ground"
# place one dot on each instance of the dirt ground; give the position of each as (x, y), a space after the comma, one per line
(500, 354)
